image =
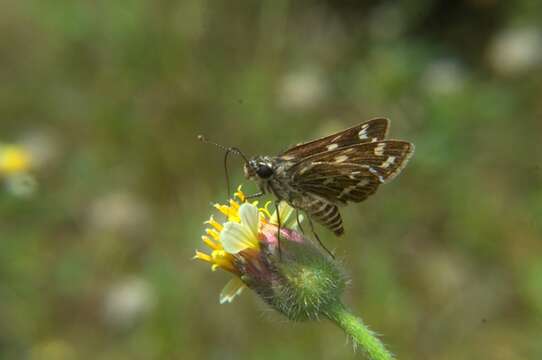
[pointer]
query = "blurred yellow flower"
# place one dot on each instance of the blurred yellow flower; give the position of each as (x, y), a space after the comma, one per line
(15, 165)
(13, 160)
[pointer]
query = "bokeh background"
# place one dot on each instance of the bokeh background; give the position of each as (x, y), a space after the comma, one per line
(101, 211)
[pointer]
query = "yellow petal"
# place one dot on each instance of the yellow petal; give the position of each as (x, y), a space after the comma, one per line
(210, 243)
(222, 259)
(213, 233)
(239, 194)
(202, 256)
(214, 224)
(234, 205)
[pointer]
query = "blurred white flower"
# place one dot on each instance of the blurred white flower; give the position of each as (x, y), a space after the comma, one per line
(21, 185)
(444, 77)
(119, 212)
(516, 50)
(128, 301)
(42, 147)
(302, 90)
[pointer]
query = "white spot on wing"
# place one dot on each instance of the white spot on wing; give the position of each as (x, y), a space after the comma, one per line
(306, 168)
(341, 158)
(353, 175)
(389, 161)
(375, 172)
(379, 149)
(332, 146)
(362, 134)
(347, 190)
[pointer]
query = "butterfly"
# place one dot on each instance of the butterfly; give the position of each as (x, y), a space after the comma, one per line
(322, 175)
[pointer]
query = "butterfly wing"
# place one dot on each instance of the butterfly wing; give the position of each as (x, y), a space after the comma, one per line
(351, 173)
(347, 166)
(372, 130)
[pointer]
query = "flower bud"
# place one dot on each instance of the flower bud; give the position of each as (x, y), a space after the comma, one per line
(300, 281)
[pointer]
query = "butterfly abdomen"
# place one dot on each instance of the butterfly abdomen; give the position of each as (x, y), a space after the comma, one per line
(324, 213)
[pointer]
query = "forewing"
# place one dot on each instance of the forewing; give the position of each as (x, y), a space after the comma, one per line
(352, 173)
(372, 130)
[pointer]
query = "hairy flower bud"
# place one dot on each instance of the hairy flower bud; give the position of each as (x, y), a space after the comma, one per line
(302, 283)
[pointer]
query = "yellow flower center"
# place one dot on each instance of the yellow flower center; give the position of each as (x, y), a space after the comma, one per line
(238, 237)
(220, 258)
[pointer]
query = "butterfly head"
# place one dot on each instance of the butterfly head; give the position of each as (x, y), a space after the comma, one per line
(259, 168)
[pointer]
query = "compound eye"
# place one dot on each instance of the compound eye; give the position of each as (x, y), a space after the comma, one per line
(264, 171)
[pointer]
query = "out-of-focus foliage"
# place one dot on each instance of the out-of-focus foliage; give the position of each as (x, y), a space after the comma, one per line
(108, 97)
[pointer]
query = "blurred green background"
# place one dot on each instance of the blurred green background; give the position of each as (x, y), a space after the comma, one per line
(108, 97)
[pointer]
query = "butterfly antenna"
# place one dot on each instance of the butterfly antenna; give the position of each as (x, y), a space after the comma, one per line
(227, 151)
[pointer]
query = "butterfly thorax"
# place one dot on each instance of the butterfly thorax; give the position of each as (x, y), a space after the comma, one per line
(270, 172)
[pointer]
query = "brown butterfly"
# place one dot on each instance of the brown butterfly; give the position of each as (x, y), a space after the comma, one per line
(319, 176)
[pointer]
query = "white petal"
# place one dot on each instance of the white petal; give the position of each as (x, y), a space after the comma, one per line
(233, 288)
(285, 212)
(250, 216)
(237, 237)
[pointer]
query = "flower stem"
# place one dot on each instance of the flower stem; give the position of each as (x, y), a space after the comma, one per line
(354, 327)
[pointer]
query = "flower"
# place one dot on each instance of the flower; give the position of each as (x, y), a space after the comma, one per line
(15, 166)
(13, 160)
(516, 50)
(444, 77)
(128, 301)
(236, 244)
(296, 278)
(301, 90)
(120, 212)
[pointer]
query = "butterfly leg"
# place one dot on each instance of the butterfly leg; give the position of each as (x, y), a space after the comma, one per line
(299, 222)
(278, 228)
(318, 238)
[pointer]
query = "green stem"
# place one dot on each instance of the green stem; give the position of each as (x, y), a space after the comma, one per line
(360, 334)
